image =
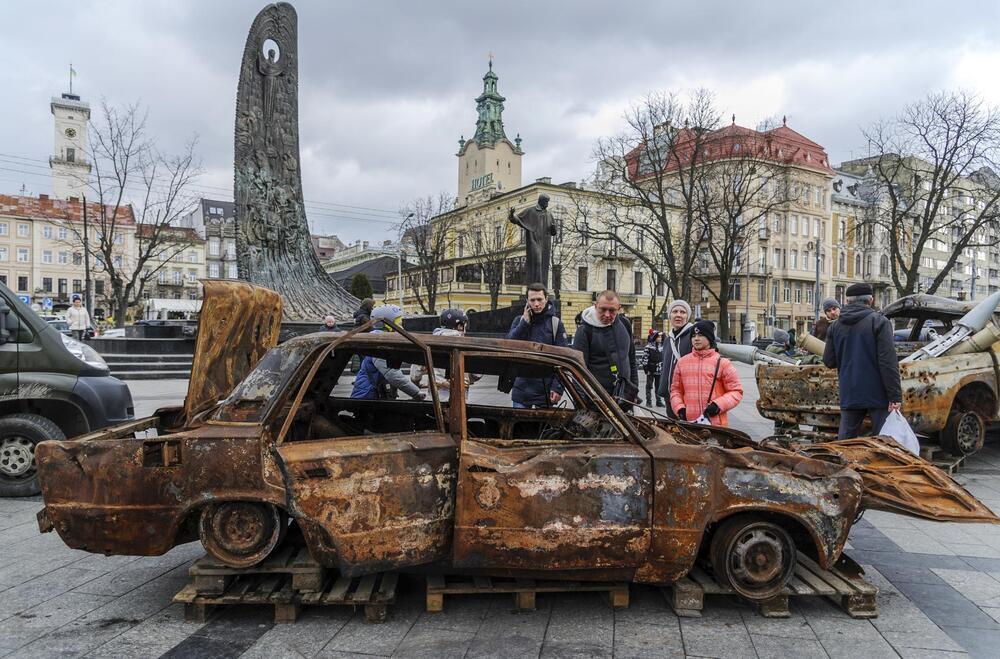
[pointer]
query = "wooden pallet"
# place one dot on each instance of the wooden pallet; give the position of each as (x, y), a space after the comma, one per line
(212, 577)
(943, 460)
(844, 585)
(524, 590)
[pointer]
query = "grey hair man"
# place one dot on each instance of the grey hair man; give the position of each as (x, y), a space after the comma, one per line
(860, 346)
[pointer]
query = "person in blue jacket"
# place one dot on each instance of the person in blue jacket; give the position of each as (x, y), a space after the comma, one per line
(376, 376)
(540, 324)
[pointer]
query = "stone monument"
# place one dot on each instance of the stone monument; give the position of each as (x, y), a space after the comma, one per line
(538, 231)
(273, 245)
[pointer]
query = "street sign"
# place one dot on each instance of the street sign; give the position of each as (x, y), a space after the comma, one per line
(47, 303)
(24, 298)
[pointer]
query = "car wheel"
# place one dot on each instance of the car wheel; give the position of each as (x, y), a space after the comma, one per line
(964, 433)
(19, 433)
(241, 533)
(752, 556)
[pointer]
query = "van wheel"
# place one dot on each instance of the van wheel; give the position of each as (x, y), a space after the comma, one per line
(241, 533)
(964, 433)
(19, 433)
(752, 556)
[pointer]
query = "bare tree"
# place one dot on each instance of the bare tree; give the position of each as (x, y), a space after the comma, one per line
(932, 178)
(491, 247)
(735, 194)
(647, 182)
(428, 227)
(137, 188)
(567, 250)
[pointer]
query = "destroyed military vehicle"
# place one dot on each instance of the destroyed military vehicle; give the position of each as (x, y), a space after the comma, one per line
(580, 490)
(949, 399)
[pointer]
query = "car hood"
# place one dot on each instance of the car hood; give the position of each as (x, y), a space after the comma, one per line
(238, 323)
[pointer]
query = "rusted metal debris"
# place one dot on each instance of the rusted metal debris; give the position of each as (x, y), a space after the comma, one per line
(582, 491)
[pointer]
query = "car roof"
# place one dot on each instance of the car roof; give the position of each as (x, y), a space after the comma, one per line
(465, 343)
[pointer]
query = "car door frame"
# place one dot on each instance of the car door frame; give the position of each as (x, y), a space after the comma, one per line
(598, 494)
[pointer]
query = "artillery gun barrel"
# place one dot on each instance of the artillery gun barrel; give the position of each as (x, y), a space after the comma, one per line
(971, 323)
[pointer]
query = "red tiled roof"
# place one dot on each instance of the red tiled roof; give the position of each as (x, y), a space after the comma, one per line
(781, 145)
(44, 208)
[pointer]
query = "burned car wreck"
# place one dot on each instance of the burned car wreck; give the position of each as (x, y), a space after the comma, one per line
(579, 490)
(948, 366)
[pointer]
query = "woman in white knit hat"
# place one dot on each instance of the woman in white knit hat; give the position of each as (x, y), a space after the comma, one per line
(678, 344)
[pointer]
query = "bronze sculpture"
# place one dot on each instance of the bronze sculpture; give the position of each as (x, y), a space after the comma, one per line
(538, 231)
(273, 245)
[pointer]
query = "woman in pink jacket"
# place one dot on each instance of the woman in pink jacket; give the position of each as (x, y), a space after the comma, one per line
(692, 392)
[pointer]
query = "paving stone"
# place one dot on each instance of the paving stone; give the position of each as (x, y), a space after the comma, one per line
(993, 612)
(946, 606)
(720, 632)
(916, 653)
(307, 637)
(28, 594)
(779, 647)
(639, 640)
(853, 648)
(464, 612)
(23, 628)
(511, 633)
(433, 643)
(977, 642)
(358, 636)
(978, 550)
(982, 591)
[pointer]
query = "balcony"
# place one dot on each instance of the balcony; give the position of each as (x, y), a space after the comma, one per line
(763, 234)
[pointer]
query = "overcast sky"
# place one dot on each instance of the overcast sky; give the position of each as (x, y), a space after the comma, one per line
(387, 88)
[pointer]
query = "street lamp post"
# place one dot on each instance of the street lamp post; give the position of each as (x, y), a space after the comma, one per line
(816, 289)
(399, 264)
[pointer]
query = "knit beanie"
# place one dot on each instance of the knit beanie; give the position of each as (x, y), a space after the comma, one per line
(705, 328)
(680, 303)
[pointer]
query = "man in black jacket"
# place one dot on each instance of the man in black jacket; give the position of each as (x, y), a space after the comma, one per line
(605, 339)
(540, 324)
(859, 345)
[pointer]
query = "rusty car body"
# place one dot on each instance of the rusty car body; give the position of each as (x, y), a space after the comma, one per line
(950, 399)
(581, 490)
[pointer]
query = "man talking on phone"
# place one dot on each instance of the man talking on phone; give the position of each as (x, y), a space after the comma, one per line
(540, 324)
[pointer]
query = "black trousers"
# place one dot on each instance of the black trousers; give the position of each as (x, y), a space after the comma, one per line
(851, 420)
(652, 384)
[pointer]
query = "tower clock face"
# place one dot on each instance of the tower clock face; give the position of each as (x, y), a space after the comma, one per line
(70, 133)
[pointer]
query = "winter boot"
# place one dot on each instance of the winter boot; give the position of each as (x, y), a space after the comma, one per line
(659, 402)
(649, 401)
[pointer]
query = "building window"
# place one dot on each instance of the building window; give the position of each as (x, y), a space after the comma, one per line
(63, 233)
(582, 275)
(63, 287)
(793, 225)
(77, 258)
(857, 265)
(637, 284)
(3, 228)
(735, 290)
(761, 291)
(883, 267)
(161, 277)
(22, 283)
(177, 277)
(798, 292)
(232, 272)
(612, 279)
(47, 232)
(70, 154)
(795, 259)
(63, 258)
(47, 284)
(3, 279)
(213, 247)
(46, 256)
(192, 257)
(192, 276)
(99, 287)
(22, 254)
(230, 249)
(77, 286)
(23, 230)
(213, 270)
(842, 262)
(809, 294)
(3, 253)
(786, 292)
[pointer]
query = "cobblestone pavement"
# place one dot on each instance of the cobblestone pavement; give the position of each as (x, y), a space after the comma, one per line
(939, 597)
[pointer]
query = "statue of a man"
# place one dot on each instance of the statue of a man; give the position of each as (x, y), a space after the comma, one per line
(538, 231)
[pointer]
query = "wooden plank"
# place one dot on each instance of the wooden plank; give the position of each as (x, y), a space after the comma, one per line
(708, 584)
(308, 581)
(435, 582)
(524, 600)
(799, 587)
(338, 592)
(484, 583)
(434, 602)
(195, 612)
(686, 597)
(818, 585)
(776, 607)
(838, 584)
(303, 560)
(363, 593)
(387, 587)
(376, 613)
(186, 594)
(286, 612)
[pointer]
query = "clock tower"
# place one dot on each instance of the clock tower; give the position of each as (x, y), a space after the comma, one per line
(489, 163)
(69, 162)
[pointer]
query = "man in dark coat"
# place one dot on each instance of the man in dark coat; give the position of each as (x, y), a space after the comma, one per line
(859, 345)
(831, 312)
(677, 343)
(605, 339)
(364, 311)
(540, 324)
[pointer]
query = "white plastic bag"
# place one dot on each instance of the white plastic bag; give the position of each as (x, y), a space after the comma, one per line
(703, 420)
(896, 427)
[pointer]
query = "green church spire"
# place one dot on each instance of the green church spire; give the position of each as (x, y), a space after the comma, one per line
(489, 105)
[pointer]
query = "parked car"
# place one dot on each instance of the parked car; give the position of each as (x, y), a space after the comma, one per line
(581, 490)
(60, 326)
(51, 386)
(948, 399)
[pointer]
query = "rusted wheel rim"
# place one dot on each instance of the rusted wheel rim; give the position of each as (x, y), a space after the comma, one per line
(241, 533)
(17, 457)
(969, 432)
(759, 562)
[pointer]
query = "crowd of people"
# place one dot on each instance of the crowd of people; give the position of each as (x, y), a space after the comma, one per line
(684, 372)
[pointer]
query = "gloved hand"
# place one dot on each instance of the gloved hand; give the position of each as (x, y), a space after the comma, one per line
(682, 414)
(712, 409)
